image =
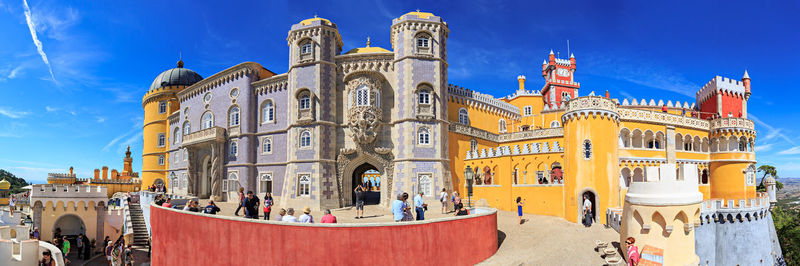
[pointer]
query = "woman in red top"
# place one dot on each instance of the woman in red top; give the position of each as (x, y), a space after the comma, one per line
(633, 252)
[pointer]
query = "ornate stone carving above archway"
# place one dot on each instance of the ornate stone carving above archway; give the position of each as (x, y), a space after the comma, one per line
(364, 121)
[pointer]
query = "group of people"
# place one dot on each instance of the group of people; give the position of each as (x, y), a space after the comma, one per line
(117, 252)
(157, 188)
(458, 206)
(287, 215)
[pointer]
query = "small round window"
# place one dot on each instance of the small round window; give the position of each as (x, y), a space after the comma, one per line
(234, 93)
(207, 98)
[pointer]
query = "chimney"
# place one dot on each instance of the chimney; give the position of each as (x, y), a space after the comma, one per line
(521, 79)
(608, 96)
(70, 170)
(114, 174)
(96, 173)
(105, 172)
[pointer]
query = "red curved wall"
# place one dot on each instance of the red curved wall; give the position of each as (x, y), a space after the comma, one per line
(181, 238)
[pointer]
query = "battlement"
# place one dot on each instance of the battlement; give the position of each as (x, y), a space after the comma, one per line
(662, 186)
(15, 252)
(486, 99)
(526, 148)
(60, 175)
(67, 191)
(741, 210)
(563, 62)
(653, 103)
(519, 93)
(721, 84)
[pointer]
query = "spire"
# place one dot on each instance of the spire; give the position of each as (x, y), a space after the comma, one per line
(551, 51)
(544, 62)
(128, 153)
(368, 43)
(180, 60)
(572, 55)
(746, 76)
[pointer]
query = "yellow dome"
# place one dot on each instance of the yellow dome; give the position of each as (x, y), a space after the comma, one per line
(364, 50)
(5, 184)
(315, 18)
(422, 15)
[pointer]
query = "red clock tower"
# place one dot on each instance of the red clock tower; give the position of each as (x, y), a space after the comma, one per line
(560, 85)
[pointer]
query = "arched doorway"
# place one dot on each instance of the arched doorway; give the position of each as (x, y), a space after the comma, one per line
(362, 175)
(593, 200)
(70, 225)
(204, 191)
(158, 182)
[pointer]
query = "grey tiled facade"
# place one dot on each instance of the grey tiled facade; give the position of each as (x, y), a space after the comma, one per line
(345, 133)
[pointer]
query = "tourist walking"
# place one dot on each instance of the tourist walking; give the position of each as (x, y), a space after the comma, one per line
(633, 252)
(289, 217)
(109, 251)
(47, 259)
(520, 204)
(407, 216)
(443, 200)
(267, 205)
(457, 200)
(65, 246)
(420, 206)
(127, 256)
(241, 201)
(12, 204)
(587, 211)
(79, 244)
(251, 205)
(306, 217)
(359, 201)
(398, 207)
(211, 208)
(328, 218)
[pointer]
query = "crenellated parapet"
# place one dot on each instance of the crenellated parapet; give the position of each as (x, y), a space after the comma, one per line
(67, 193)
(482, 101)
(734, 211)
(524, 149)
(590, 106)
(721, 85)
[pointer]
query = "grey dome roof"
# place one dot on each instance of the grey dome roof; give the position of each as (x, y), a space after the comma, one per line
(175, 77)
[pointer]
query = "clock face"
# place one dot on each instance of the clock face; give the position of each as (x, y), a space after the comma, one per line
(562, 72)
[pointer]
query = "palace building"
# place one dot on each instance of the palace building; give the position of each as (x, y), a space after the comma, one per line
(118, 182)
(310, 134)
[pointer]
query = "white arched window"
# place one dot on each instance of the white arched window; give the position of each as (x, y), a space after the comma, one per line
(305, 48)
(185, 154)
(162, 107)
(424, 97)
(234, 148)
(187, 128)
(304, 185)
(175, 135)
(425, 184)
(266, 145)
(423, 43)
(362, 95)
(162, 140)
(305, 102)
(555, 124)
(423, 137)
(265, 183)
(463, 117)
(233, 182)
(305, 139)
(267, 112)
(502, 126)
(207, 121)
(473, 145)
(233, 117)
(161, 160)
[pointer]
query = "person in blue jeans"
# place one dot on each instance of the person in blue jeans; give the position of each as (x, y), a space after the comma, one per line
(420, 205)
(241, 201)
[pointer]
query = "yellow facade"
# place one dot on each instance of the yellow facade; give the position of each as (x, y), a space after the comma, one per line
(155, 158)
(119, 182)
(624, 139)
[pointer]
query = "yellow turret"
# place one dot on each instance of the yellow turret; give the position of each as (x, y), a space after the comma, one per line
(158, 103)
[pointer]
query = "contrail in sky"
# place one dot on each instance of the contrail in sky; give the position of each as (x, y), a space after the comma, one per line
(32, 27)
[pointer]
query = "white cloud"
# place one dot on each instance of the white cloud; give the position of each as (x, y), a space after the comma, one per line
(772, 132)
(50, 109)
(14, 72)
(648, 75)
(73, 113)
(100, 119)
(790, 151)
(11, 113)
(764, 148)
(39, 47)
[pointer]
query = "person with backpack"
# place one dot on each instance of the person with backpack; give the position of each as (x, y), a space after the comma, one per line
(443, 199)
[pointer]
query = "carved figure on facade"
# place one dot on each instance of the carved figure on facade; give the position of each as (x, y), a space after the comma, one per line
(216, 188)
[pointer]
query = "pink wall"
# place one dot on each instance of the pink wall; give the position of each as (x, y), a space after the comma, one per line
(181, 238)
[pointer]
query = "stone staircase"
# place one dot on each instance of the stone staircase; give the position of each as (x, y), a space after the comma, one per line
(140, 233)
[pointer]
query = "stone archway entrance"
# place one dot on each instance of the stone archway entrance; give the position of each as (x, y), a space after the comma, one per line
(593, 199)
(361, 175)
(350, 169)
(70, 225)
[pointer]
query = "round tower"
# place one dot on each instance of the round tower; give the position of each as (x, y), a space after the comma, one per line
(591, 159)
(661, 212)
(158, 103)
(732, 165)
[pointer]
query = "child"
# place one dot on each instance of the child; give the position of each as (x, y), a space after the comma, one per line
(520, 203)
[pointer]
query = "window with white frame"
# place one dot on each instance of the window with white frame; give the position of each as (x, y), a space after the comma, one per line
(184, 181)
(305, 48)
(425, 184)
(424, 137)
(502, 126)
(304, 185)
(266, 145)
(233, 182)
(265, 183)
(162, 107)
(267, 112)
(473, 145)
(187, 128)
(424, 97)
(305, 102)
(207, 121)
(362, 95)
(233, 117)
(175, 135)
(162, 140)
(234, 148)
(463, 117)
(555, 124)
(527, 110)
(185, 154)
(305, 139)
(234, 93)
(161, 160)
(750, 175)
(175, 156)
(423, 41)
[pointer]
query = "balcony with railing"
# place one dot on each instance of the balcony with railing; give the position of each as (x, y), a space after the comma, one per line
(215, 134)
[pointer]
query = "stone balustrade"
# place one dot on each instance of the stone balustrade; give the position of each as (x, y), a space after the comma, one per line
(732, 123)
(646, 116)
(205, 135)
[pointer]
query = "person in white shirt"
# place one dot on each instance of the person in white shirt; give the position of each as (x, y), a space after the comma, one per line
(306, 217)
(289, 217)
(443, 199)
(587, 211)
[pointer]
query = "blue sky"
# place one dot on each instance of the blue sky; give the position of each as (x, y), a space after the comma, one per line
(73, 98)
